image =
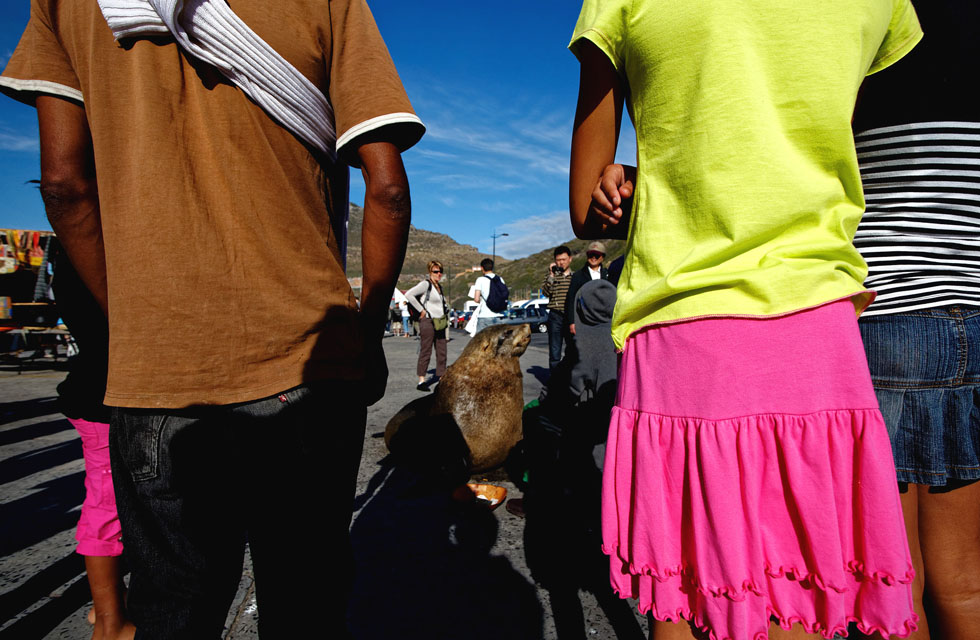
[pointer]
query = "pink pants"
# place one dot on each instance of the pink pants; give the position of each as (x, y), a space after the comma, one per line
(98, 531)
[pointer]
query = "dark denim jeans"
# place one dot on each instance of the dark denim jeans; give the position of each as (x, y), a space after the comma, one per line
(556, 332)
(925, 366)
(194, 485)
(483, 323)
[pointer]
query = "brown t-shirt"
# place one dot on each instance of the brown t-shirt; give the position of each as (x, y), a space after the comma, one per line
(225, 279)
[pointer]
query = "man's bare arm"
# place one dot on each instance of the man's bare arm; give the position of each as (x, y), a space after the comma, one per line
(387, 216)
(69, 190)
(597, 119)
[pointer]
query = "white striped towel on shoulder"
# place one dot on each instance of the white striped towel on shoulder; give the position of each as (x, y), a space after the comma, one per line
(211, 32)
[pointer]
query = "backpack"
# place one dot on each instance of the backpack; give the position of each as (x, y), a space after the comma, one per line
(497, 298)
(413, 313)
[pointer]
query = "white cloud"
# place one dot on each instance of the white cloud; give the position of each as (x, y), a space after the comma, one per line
(502, 142)
(16, 142)
(534, 233)
(483, 147)
(463, 181)
(5, 57)
(431, 153)
(554, 128)
(522, 136)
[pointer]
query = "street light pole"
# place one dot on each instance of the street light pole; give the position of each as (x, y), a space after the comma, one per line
(449, 286)
(495, 236)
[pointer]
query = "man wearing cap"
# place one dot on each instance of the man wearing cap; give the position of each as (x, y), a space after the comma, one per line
(592, 270)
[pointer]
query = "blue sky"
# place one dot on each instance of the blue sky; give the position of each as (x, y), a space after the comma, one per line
(493, 83)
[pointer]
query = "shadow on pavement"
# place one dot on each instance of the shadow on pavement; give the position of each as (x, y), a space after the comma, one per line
(40, 515)
(35, 430)
(41, 459)
(24, 409)
(424, 567)
(562, 532)
(30, 362)
(541, 373)
(49, 615)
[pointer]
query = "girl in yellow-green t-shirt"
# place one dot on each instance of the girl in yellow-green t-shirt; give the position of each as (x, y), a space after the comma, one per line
(748, 482)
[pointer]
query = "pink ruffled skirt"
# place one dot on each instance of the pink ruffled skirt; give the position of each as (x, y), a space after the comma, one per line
(749, 475)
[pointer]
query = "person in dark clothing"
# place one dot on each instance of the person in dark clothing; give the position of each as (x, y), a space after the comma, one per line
(592, 270)
(555, 286)
(564, 441)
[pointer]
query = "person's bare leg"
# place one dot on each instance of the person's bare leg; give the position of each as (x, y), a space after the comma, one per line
(910, 511)
(949, 533)
(672, 631)
(105, 581)
(797, 632)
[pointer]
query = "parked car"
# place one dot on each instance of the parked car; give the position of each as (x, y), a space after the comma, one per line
(537, 317)
(537, 303)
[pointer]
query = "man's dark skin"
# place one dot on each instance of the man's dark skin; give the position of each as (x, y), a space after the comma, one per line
(71, 199)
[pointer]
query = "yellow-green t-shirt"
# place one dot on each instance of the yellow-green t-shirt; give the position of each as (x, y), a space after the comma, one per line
(748, 191)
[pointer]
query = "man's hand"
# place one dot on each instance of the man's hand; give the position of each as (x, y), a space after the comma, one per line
(571, 328)
(612, 197)
(376, 376)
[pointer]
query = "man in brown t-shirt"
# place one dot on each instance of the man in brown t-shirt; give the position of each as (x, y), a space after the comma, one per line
(240, 363)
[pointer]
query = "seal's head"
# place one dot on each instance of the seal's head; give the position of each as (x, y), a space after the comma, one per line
(501, 341)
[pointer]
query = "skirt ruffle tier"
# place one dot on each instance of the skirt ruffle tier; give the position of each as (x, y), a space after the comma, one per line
(729, 521)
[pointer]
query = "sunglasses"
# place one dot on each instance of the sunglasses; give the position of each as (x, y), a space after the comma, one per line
(435, 271)
(594, 254)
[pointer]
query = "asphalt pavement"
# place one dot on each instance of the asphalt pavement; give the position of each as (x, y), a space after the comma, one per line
(426, 568)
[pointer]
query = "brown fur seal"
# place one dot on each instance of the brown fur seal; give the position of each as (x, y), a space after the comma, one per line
(483, 391)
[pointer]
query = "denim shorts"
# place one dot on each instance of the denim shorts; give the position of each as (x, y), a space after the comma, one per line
(925, 366)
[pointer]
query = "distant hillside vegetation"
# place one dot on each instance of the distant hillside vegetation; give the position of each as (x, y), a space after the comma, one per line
(422, 246)
(523, 276)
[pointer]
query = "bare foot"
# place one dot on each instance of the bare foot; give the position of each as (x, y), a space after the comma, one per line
(128, 631)
(110, 628)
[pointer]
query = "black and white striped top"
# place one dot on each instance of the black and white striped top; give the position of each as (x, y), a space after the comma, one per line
(921, 232)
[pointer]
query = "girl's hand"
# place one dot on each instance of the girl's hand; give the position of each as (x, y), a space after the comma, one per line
(613, 193)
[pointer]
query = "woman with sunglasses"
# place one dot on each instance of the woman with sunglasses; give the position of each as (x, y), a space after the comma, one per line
(428, 299)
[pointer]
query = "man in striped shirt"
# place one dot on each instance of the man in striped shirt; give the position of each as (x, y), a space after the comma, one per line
(555, 286)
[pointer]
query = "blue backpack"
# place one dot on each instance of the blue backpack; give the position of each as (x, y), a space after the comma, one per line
(497, 298)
